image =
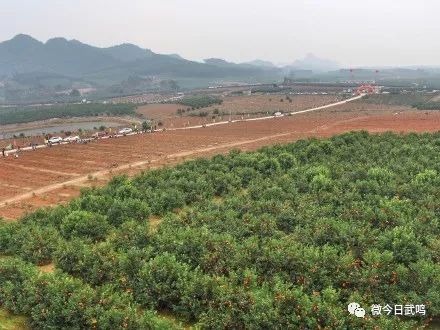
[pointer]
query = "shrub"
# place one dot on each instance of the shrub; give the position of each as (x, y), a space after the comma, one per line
(84, 224)
(161, 282)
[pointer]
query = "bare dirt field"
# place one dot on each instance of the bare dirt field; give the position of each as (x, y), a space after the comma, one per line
(158, 111)
(55, 175)
(233, 107)
(273, 103)
(166, 114)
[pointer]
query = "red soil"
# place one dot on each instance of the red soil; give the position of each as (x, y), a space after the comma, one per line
(55, 175)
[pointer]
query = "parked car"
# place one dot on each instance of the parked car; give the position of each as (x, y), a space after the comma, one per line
(72, 139)
(55, 139)
(125, 131)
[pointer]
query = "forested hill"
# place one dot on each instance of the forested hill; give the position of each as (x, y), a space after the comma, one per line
(24, 54)
(282, 238)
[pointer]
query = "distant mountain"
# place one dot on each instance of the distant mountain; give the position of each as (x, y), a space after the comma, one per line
(71, 58)
(311, 62)
(177, 56)
(23, 54)
(219, 62)
(15, 54)
(257, 65)
(260, 63)
(127, 52)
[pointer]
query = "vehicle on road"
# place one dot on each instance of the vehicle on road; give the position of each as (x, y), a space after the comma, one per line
(72, 138)
(55, 139)
(125, 131)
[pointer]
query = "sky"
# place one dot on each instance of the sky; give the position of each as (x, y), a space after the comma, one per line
(353, 33)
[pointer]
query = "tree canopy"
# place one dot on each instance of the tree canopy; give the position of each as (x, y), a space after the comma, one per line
(285, 237)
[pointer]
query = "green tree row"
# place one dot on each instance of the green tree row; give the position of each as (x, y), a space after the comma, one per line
(30, 114)
(284, 237)
(201, 101)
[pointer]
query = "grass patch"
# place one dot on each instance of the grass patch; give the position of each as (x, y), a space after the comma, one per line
(168, 316)
(50, 268)
(12, 322)
(155, 222)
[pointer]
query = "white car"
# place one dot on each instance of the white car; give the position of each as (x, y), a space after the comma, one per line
(125, 131)
(55, 139)
(72, 139)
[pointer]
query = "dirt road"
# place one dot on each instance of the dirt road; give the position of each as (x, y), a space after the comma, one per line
(103, 173)
(55, 175)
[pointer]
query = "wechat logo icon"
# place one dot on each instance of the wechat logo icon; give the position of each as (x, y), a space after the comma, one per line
(356, 309)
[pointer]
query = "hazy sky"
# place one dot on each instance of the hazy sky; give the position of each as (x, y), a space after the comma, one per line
(372, 32)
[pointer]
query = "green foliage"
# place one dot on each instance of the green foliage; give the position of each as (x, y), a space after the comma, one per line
(202, 101)
(161, 282)
(59, 301)
(169, 85)
(85, 225)
(420, 101)
(408, 99)
(267, 90)
(282, 238)
(29, 114)
(129, 209)
(14, 276)
(94, 264)
(32, 243)
(75, 93)
(131, 234)
(146, 126)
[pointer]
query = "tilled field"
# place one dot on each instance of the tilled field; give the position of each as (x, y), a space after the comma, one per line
(55, 175)
(273, 103)
(234, 107)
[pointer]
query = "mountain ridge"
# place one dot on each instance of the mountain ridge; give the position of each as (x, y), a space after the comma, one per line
(24, 54)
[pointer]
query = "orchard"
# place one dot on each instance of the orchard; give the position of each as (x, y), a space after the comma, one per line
(281, 238)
